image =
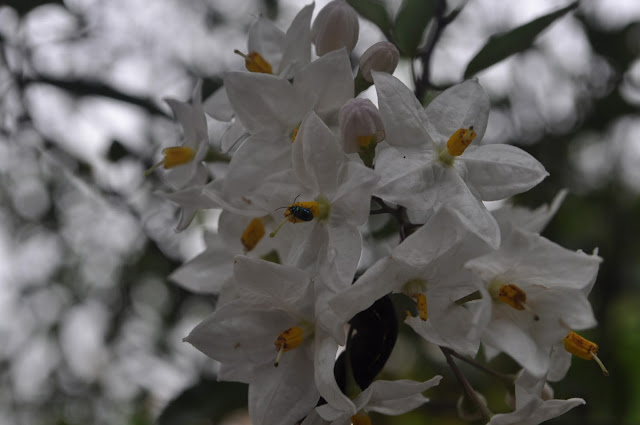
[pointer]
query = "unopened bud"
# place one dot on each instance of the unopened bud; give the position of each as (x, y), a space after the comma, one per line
(335, 27)
(382, 56)
(468, 410)
(360, 121)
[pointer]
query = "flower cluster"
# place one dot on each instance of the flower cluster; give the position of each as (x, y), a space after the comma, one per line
(310, 163)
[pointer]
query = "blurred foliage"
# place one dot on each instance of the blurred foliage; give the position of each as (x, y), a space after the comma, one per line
(146, 315)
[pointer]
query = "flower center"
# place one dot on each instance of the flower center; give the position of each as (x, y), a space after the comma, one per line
(177, 155)
(511, 295)
(457, 143)
(254, 62)
(361, 418)
(460, 140)
(252, 234)
(291, 338)
(300, 212)
(583, 348)
(173, 156)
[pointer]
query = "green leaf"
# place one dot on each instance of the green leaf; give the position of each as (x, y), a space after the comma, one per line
(411, 21)
(501, 46)
(205, 403)
(376, 12)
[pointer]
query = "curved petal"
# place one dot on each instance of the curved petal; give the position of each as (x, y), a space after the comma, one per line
(460, 106)
(327, 83)
(499, 171)
(324, 361)
(296, 50)
(402, 114)
(267, 39)
(263, 101)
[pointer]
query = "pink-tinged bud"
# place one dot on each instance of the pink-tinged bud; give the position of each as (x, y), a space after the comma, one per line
(382, 56)
(335, 27)
(360, 125)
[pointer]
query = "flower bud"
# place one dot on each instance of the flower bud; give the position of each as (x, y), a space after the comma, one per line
(382, 56)
(360, 124)
(467, 410)
(336, 26)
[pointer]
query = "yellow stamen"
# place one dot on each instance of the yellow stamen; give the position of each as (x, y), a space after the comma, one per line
(513, 296)
(288, 340)
(252, 234)
(421, 303)
(583, 348)
(177, 155)
(361, 418)
(294, 133)
(173, 156)
(460, 140)
(254, 62)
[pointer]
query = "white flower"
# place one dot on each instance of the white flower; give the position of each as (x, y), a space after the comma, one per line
(185, 161)
(530, 220)
(531, 408)
(428, 160)
(335, 27)
(272, 108)
(427, 266)
(386, 397)
(540, 293)
(268, 337)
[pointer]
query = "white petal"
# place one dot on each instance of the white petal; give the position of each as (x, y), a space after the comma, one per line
(461, 106)
(499, 171)
(207, 272)
(408, 179)
(327, 82)
(402, 114)
(324, 361)
(317, 156)
(273, 284)
(266, 39)
(530, 220)
(284, 394)
(264, 101)
(217, 105)
(297, 43)
(258, 158)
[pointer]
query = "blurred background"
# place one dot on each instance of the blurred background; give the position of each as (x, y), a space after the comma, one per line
(91, 328)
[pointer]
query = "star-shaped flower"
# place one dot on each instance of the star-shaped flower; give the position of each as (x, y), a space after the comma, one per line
(430, 159)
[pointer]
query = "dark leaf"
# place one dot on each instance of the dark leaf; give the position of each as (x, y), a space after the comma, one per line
(375, 11)
(205, 403)
(411, 21)
(500, 47)
(376, 331)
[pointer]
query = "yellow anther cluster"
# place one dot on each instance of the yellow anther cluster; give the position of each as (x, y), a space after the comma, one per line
(579, 346)
(254, 62)
(460, 140)
(252, 234)
(421, 303)
(177, 155)
(583, 348)
(288, 340)
(513, 296)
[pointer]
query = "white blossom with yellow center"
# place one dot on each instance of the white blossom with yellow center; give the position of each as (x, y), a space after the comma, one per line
(433, 156)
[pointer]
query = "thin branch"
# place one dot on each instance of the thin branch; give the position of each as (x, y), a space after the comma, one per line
(80, 87)
(504, 377)
(466, 386)
(440, 21)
